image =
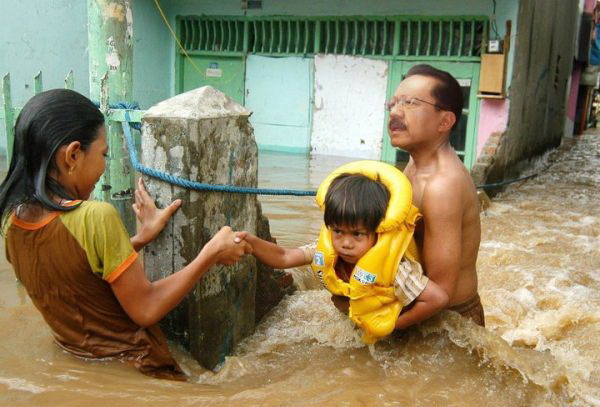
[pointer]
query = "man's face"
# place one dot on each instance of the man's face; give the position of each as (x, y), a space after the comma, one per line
(416, 123)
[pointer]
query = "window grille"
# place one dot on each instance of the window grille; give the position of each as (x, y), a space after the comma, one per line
(424, 37)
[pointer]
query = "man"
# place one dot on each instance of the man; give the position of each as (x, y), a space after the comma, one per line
(425, 108)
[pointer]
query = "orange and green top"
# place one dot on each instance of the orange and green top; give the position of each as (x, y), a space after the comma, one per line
(66, 262)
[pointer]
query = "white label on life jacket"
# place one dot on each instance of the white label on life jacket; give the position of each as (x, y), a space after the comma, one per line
(319, 259)
(364, 277)
(320, 276)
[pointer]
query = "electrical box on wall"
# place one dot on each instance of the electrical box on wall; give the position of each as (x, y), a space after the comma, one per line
(494, 47)
(492, 76)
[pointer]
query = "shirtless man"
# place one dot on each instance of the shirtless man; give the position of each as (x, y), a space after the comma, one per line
(425, 108)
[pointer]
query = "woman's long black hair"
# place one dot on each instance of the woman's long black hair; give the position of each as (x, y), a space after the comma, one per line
(48, 121)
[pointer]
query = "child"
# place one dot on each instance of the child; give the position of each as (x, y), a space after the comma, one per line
(364, 251)
(74, 256)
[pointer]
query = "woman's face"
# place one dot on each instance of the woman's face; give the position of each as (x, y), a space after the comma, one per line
(89, 166)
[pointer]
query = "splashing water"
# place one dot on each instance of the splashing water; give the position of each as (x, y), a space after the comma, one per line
(539, 271)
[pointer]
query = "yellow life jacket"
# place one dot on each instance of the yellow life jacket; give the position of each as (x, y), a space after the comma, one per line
(374, 306)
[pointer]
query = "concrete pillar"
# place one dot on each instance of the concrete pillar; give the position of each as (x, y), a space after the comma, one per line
(204, 136)
(110, 47)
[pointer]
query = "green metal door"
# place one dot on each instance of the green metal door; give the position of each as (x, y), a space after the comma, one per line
(211, 52)
(221, 72)
(464, 136)
(278, 91)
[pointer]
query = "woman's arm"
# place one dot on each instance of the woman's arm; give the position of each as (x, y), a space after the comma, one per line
(147, 302)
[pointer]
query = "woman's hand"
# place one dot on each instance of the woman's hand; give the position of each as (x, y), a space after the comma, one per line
(152, 219)
(228, 246)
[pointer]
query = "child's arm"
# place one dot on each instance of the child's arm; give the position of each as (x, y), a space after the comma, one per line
(431, 300)
(273, 255)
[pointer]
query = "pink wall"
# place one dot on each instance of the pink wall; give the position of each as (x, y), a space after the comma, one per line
(493, 118)
(589, 6)
(575, 78)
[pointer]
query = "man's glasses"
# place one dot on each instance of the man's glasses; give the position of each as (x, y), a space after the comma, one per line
(408, 103)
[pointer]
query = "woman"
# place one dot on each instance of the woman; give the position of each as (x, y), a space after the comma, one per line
(74, 256)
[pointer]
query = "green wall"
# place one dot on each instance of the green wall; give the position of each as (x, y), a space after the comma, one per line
(505, 10)
(51, 36)
(153, 63)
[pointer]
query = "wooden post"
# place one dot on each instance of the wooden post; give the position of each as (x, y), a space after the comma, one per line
(111, 55)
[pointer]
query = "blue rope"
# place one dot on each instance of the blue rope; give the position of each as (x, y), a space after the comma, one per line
(198, 186)
(507, 182)
(126, 106)
(227, 188)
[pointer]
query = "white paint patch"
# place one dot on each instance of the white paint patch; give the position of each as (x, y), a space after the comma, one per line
(176, 152)
(112, 56)
(349, 98)
(176, 160)
(129, 22)
(152, 155)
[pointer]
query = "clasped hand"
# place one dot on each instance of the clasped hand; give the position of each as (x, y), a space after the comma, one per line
(228, 246)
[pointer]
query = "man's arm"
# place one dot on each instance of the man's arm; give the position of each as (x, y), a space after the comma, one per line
(442, 208)
(431, 300)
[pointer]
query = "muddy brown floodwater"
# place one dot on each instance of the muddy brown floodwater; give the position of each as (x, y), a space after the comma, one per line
(539, 269)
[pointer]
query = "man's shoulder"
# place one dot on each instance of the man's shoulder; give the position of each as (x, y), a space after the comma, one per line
(443, 185)
(448, 189)
(450, 178)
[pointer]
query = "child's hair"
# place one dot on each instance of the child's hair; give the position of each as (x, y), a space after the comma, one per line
(356, 200)
(48, 121)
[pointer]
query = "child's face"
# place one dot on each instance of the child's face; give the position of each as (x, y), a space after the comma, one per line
(351, 243)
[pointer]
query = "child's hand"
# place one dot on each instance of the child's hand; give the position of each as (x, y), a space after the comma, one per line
(153, 220)
(229, 246)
